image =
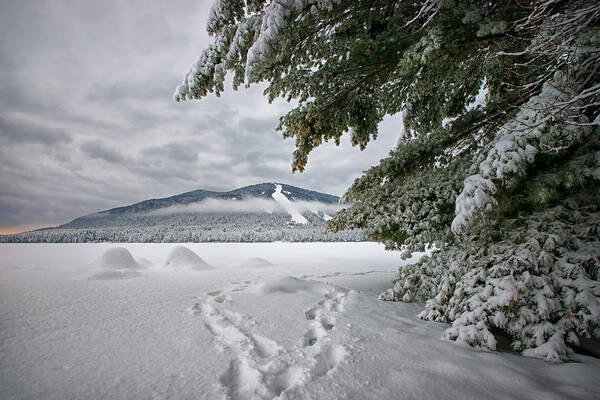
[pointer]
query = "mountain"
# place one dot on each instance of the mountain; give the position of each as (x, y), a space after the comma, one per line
(261, 190)
(258, 213)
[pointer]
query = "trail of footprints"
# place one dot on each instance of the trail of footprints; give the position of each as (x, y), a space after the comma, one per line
(261, 368)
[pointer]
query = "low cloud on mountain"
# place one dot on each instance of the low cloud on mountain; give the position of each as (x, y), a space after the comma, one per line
(248, 205)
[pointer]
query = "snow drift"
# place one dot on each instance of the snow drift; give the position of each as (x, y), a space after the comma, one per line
(256, 262)
(290, 284)
(183, 258)
(66, 337)
(117, 258)
(116, 263)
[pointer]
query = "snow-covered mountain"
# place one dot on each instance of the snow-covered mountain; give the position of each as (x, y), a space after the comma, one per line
(289, 198)
(258, 213)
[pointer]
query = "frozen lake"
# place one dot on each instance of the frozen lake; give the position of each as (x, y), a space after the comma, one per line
(247, 321)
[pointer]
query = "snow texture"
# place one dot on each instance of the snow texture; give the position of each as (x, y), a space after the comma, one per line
(182, 258)
(256, 262)
(290, 284)
(115, 274)
(116, 263)
(117, 258)
(317, 332)
(515, 148)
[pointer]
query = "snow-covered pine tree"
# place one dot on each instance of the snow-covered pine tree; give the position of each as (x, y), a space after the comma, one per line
(498, 168)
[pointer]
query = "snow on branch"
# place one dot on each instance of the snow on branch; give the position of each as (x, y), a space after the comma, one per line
(553, 120)
(249, 36)
(568, 38)
(476, 197)
(535, 128)
(427, 12)
(246, 39)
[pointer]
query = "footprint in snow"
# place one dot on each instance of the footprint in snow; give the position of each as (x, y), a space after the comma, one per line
(323, 316)
(260, 367)
(240, 286)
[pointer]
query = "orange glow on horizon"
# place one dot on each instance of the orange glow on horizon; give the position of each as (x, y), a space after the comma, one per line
(9, 230)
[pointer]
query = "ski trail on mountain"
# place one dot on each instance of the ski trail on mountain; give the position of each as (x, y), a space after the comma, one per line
(260, 367)
(288, 206)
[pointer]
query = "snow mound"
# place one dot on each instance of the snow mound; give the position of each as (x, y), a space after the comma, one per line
(185, 259)
(115, 274)
(257, 262)
(117, 258)
(290, 284)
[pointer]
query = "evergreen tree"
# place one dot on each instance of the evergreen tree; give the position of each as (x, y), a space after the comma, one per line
(499, 162)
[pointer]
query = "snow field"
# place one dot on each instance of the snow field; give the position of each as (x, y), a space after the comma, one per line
(260, 367)
(310, 327)
(255, 262)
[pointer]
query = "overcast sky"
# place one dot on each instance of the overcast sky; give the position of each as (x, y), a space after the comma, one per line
(87, 120)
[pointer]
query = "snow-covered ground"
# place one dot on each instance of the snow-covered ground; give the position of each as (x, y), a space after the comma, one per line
(242, 321)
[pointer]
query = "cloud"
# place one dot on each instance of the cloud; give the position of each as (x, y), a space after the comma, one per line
(102, 92)
(256, 125)
(101, 151)
(14, 131)
(248, 205)
(176, 152)
(87, 121)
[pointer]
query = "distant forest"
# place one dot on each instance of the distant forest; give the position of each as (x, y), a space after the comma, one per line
(191, 228)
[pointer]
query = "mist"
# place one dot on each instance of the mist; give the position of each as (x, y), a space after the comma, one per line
(248, 205)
